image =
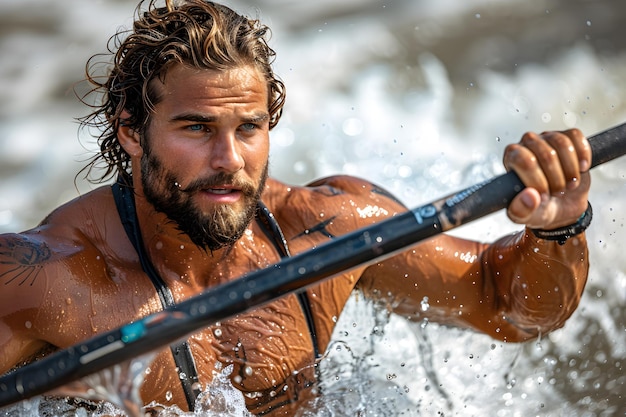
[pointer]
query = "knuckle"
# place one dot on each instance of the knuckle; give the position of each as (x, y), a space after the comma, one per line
(513, 154)
(558, 140)
(529, 138)
(574, 133)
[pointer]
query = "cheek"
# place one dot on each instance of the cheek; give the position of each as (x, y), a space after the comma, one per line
(183, 158)
(256, 157)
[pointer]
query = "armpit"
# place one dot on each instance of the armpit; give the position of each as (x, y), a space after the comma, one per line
(48, 349)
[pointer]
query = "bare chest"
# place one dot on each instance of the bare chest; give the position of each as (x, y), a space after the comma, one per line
(269, 353)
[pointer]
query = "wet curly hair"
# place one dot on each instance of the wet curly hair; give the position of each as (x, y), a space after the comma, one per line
(198, 33)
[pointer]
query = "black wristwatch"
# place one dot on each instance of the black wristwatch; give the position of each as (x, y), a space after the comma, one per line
(563, 233)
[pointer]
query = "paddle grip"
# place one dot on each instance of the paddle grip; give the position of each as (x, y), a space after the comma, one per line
(496, 194)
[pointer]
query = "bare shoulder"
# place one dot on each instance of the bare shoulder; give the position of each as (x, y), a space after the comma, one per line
(78, 212)
(25, 256)
(47, 275)
(76, 229)
(330, 206)
(323, 191)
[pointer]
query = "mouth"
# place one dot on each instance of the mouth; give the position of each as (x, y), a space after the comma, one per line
(219, 191)
(221, 195)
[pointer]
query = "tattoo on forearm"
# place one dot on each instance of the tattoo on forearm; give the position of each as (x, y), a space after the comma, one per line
(318, 228)
(24, 258)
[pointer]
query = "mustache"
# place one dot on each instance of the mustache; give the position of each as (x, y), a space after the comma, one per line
(217, 180)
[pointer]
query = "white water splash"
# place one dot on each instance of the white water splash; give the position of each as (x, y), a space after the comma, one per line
(420, 97)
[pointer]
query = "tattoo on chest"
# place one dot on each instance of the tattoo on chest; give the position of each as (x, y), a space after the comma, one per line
(318, 228)
(22, 260)
(328, 191)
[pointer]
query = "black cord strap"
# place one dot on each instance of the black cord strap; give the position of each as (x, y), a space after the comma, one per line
(181, 351)
(563, 233)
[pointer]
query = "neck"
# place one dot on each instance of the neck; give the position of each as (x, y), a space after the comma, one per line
(178, 260)
(172, 253)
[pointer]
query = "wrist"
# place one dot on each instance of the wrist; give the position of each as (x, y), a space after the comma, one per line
(561, 234)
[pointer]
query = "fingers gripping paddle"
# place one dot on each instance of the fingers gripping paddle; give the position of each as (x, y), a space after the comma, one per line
(357, 248)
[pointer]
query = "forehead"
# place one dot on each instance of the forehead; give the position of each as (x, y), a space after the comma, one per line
(238, 85)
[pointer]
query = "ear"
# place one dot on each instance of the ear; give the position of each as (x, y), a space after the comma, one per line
(129, 138)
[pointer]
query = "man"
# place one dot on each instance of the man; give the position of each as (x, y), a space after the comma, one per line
(185, 118)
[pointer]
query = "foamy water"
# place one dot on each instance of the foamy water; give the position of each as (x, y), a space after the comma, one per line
(419, 98)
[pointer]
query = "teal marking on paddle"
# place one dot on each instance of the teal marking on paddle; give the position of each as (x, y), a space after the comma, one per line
(133, 331)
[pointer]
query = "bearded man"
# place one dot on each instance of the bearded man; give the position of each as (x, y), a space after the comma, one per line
(187, 108)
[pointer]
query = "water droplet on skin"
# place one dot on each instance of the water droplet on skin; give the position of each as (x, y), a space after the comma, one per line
(424, 303)
(248, 371)
(168, 396)
(28, 324)
(217, 332)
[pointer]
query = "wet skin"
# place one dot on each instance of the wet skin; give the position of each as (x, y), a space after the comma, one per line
(77, 274)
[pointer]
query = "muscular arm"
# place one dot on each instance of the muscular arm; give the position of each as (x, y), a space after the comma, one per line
(519, 286)
(23, 282)
(513, 290)
(45, 278)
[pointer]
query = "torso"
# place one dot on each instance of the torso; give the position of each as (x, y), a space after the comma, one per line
(271, 348)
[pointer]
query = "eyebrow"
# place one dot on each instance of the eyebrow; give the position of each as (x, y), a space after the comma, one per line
(193, 117)
(201, 118)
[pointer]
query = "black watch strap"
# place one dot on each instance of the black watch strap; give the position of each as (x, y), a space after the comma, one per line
(563, 233)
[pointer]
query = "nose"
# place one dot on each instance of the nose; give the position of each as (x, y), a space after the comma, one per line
(226, 153)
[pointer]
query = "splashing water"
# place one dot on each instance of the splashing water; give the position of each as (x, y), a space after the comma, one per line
(219, 399)
(410, 96)
(115, 392)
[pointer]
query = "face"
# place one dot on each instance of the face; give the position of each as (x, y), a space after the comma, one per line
(205, 152)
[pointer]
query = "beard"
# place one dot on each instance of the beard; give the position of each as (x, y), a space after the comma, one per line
(222, 226)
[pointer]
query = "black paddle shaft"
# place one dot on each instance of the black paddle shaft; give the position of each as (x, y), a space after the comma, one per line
(355, 249)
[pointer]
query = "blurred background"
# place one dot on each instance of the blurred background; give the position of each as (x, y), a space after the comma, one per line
(418, 96)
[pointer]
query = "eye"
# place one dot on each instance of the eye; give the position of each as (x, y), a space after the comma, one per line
(196, 128)
(248, 127)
